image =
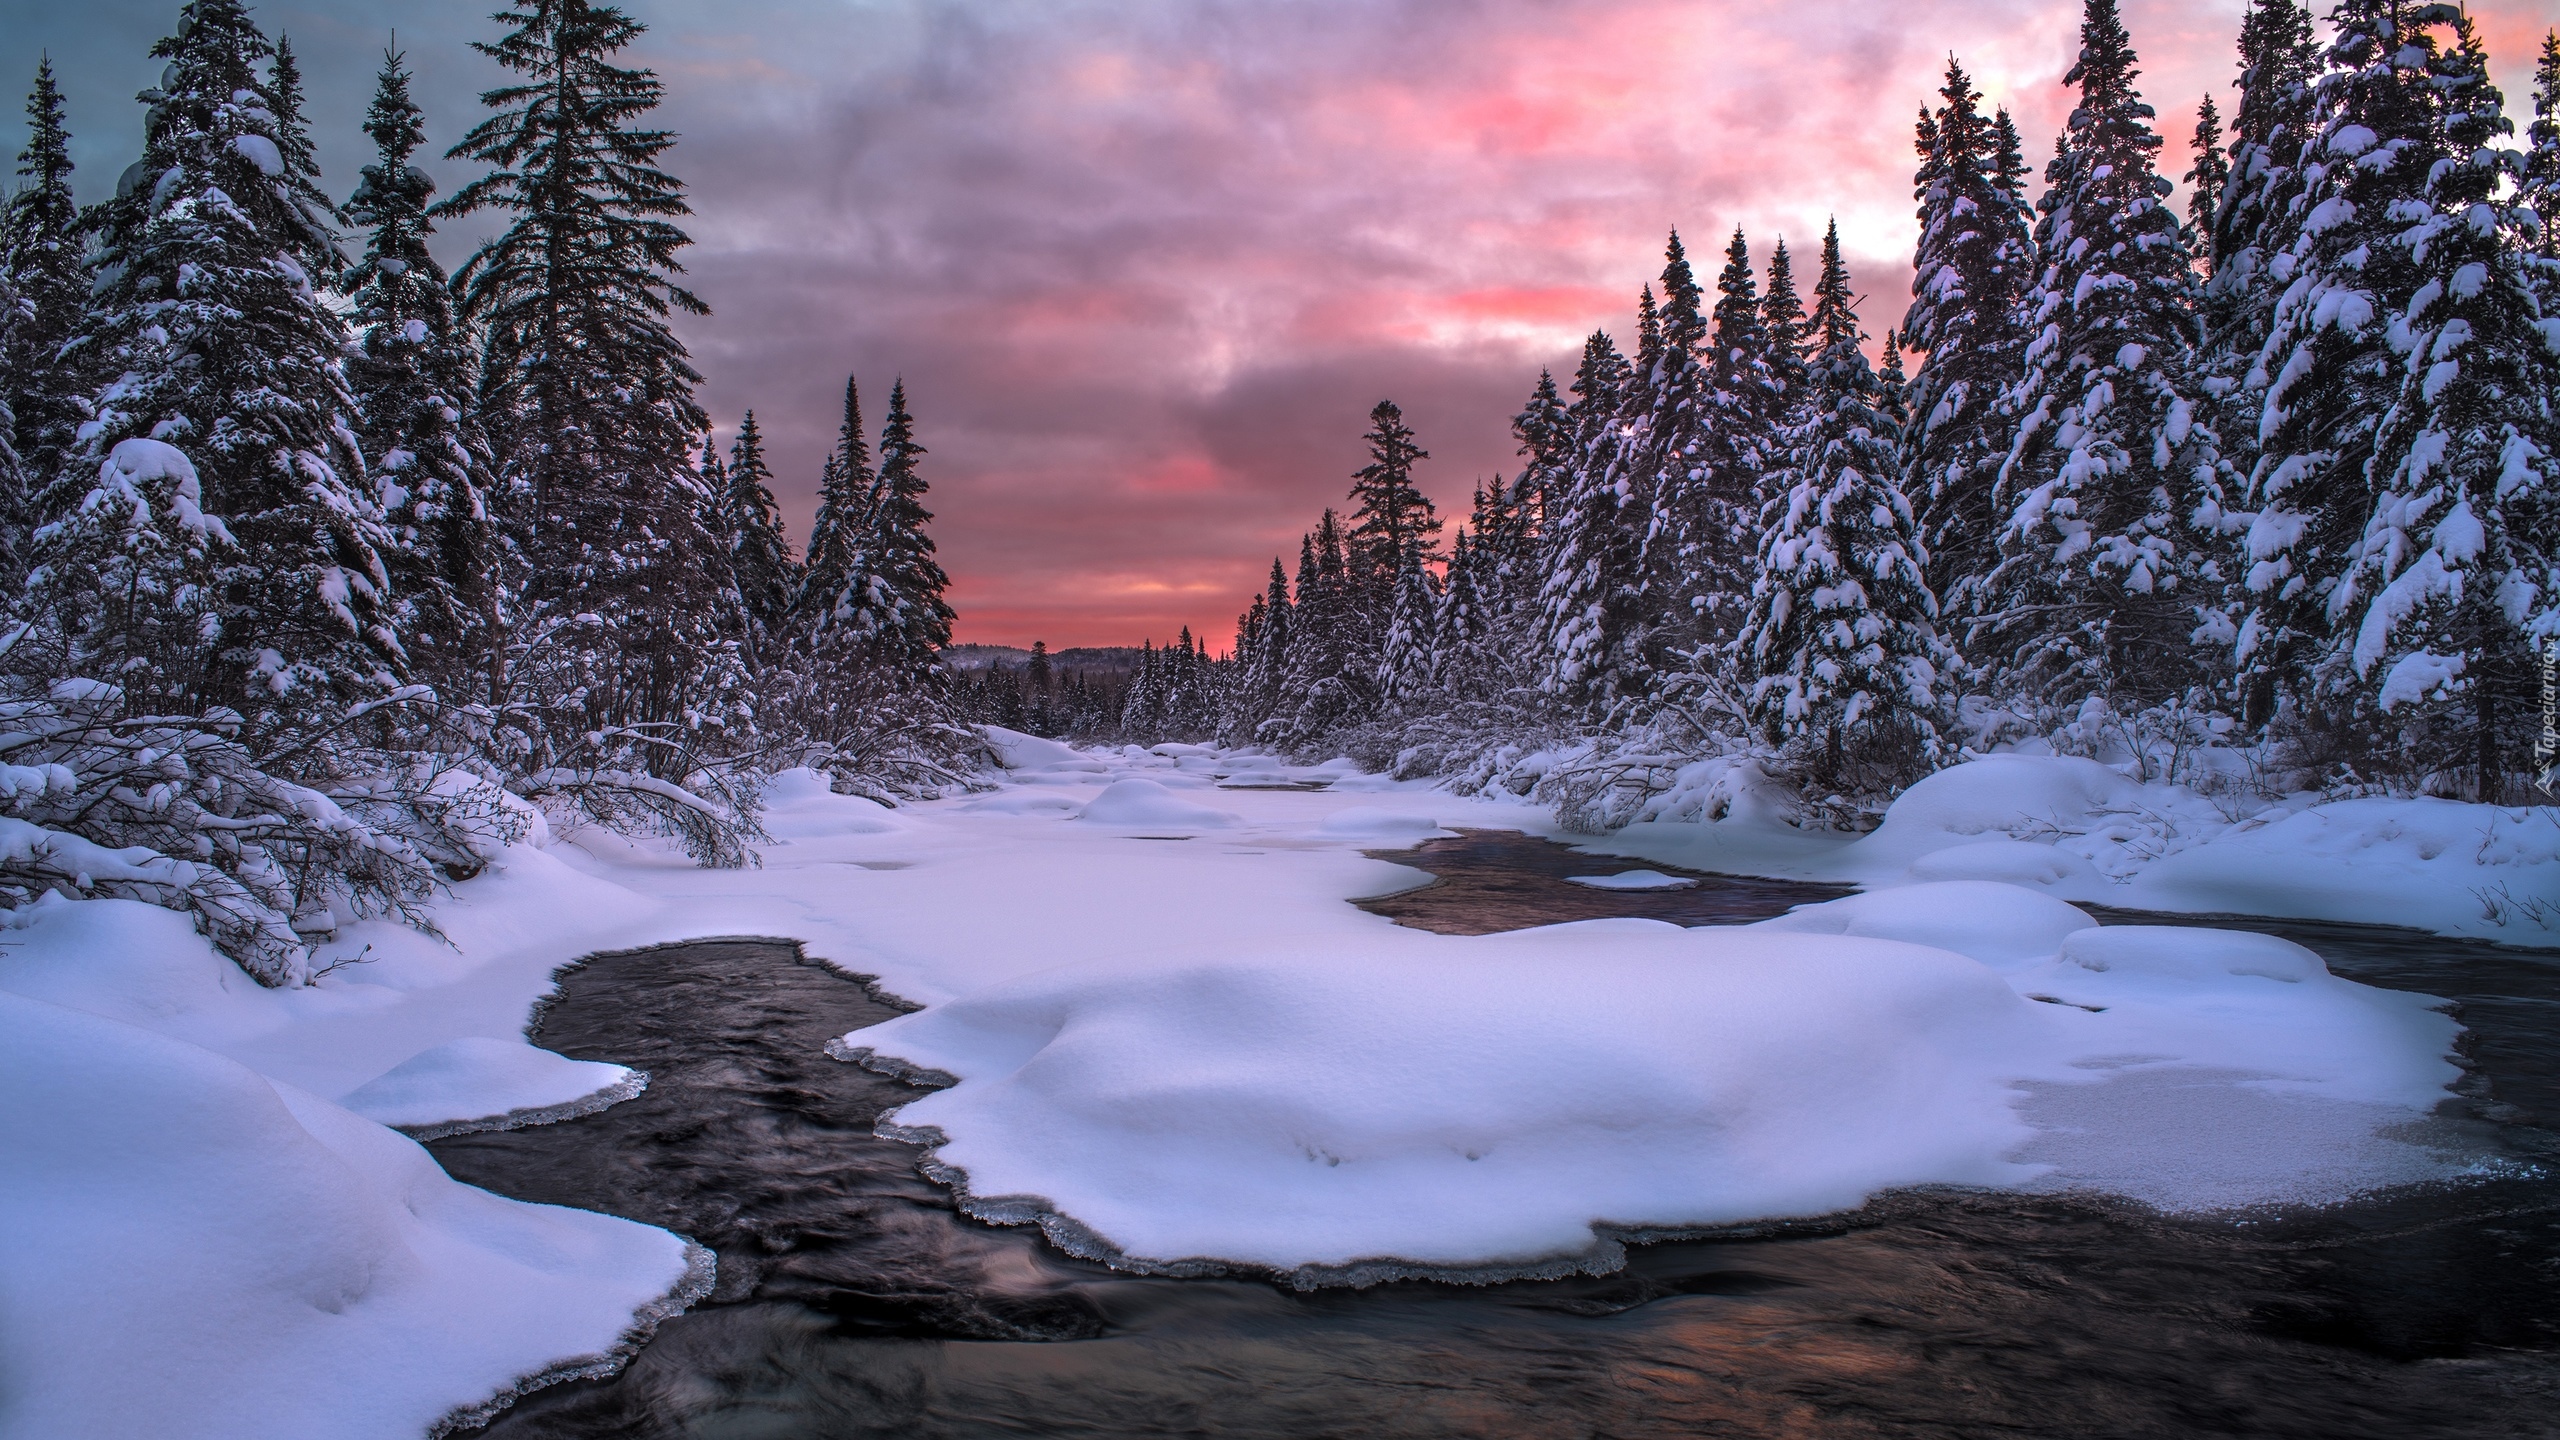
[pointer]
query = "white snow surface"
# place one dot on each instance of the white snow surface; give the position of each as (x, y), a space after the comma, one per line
(1633, 880)
(480, 1077)
(1170, 1046)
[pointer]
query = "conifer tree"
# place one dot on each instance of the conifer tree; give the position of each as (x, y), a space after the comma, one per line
(1969, 273)
(1736, 449)
(1672, 454)
(302, 161)
(1782, 318)
(1590, 622)
(2538, 188)
(893, 598)
(2098, 485)
(1842, 642)
(1267, 667)
(413, 376)
(838, 536)
(1391, 521)
(42, 260)
(2329, 369)
(1406, 668)
(1332, 674)
(2455, 581)
(229, 373)
(1471, 638)
(2256, 219)
(588, 394)
(1545, 435)
(2206, 178)
(759, 554)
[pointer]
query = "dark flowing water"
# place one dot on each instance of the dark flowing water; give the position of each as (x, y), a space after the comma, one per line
(853, 1301)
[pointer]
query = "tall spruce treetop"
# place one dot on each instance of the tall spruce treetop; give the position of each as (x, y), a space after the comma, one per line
(759, 553)
(1391, 521)
(587, 391)
(840, 534)
(2109, 458)
(1545, 433)
(1782, 317)
(413, 376)
(2207, 177)
(2254, 218)
(1842, 644)
(1969, 272)
(1589, 616)
(2455, 582)
(42, 257)
(301, 160)
(226, 361)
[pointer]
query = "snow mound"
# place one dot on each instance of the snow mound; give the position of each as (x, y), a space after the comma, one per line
(477, 1083)
(2176, 952)
(1144, 802)
(1993, 923)
(1994, 796)
(1017, 751)
(2438, 864)
(802, 804)
(194, 1251)
(1454, 1105)
(2015, 862)
(1369, 822)
(1633, 880)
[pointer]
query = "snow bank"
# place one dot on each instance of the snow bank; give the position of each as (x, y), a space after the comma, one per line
(1017, 751)
(480, 1083)
(1993, 923)
(1416, 1102)
(1633, 880)
(1137, 801)
(190, 1250)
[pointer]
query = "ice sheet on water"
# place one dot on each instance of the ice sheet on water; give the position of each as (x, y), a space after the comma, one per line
(1633, 880)
(500, 1083)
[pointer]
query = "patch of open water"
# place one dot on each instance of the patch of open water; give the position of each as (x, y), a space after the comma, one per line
(854, 1302)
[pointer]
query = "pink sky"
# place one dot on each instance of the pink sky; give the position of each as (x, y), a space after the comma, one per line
(1146, 264)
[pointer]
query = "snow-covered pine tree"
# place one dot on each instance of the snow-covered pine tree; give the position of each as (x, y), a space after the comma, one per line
(1893, 388)
(1471, 651)
(2206, 177)
(760, 557)
(2538, 189)
(2256, 218)
(588, 398)
(1783, 321)
(43, 259)
(1842, 644)
(1590, 620)
(1332, 674)
(893, 598)
(1142, 707)
(413, 374)
(2455, 584)
(1266, 668)
(839, 536)
(1670, 456)
(1407, 664)
(220, 343)
(1971, 269)
(1544, 431)
(2098, 486)
(1737, 447)
(301, 160)
(2329, 369)
(1391, 521)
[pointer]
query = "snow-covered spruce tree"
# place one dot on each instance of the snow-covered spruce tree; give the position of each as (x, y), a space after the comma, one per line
(1842, 645)
(1591, 622)
(222, 344)
(204, 666)
(629, 696)
(1735, 450)
(1391, 521)
(839, 536)
(1969, 273)
(1544, 430)
(893, 600)
(2538, 190)
(1472, 653)
(760, 559)
(2206, 177)
(44, 262)
(1331, 680)
(1783, 321)
(1408, 669)
(2455, 583)
(2329, 369)
(1259, 691)
(1668, 453)
(2090, 594)
(413, 374)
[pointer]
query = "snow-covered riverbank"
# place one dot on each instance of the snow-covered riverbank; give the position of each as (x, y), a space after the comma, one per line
(1174, 1041)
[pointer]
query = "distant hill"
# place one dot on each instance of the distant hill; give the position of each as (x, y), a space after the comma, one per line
(1089, 659)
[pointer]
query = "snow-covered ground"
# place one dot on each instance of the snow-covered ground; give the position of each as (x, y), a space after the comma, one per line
(1175, 1043)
